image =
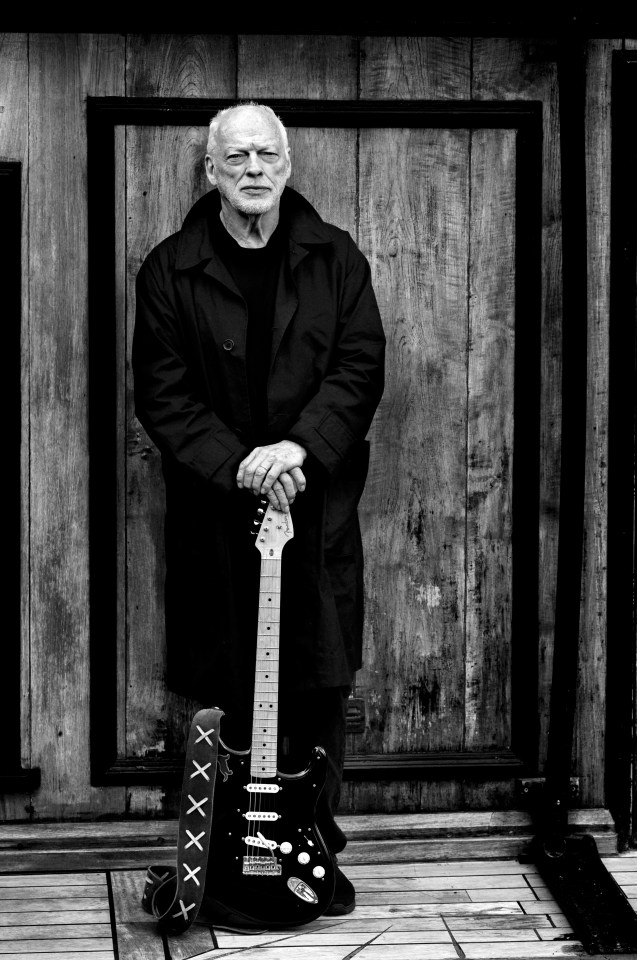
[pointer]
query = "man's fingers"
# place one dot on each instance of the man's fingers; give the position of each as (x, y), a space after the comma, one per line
(246, 466)
(256, 480)
(278, 498)
(288, 485)
(299, 478)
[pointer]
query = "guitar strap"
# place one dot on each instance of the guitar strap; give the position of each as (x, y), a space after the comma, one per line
(174, 893)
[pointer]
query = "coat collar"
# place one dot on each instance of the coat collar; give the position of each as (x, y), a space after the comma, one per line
(195, 244)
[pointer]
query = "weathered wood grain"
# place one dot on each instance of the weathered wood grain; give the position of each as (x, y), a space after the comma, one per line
(521, 69)
(70, 954)
(137, 933)
(53, 892)
(393, 920)
(14, 147)
(317, 153)
(69, 947)
(297, 66)
(53, 905)
(63, 69)
(439, 883)
(490, 384)
(590, 742)
(57, 931)
(414, 204)
(510, 951)
(180, 65)
(412, 68)
(54, 918)
(53, 880)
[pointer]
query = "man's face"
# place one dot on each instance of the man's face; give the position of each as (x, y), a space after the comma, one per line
(249, 165)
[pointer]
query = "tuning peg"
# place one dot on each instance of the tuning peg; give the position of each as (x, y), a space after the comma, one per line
(253, 533)
(260, 513)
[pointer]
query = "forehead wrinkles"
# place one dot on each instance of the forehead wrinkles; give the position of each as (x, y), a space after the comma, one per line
(248, 127)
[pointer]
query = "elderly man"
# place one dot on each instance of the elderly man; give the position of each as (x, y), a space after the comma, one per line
(258, 362)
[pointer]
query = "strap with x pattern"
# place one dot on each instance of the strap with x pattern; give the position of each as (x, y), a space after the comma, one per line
(174, 893)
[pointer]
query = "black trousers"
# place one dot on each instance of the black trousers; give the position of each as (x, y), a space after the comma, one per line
(307, 719)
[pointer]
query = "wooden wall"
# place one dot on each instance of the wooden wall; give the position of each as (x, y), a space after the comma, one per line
(44, 82)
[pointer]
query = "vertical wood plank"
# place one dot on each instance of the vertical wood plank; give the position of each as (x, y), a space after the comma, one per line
(591, 705)
(420, 68)
(164, 177)
(512, 69)
(414, 206)
(490, 439)
(415, 68)
(314, 152)
(14, 125)
(297, 66)
(63, 69)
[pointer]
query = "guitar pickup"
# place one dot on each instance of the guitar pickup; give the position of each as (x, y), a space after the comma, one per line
(260, 841)
(262, 787)
(265, 815)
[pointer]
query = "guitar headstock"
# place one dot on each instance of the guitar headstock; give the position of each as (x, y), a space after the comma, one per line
(274, 530)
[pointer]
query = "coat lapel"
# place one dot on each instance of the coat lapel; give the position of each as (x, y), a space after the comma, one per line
(287, 298)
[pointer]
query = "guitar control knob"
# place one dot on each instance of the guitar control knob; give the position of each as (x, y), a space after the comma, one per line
(319, 872)
(303, 857)
(286, 847)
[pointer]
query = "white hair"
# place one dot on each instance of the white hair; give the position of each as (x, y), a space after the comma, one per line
(222, 114)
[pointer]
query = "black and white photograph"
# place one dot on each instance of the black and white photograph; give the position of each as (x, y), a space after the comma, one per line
(320, 467)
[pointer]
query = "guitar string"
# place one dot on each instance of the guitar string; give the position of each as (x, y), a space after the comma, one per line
(258, 800)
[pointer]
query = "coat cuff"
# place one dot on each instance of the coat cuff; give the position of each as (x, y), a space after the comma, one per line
(329, 442)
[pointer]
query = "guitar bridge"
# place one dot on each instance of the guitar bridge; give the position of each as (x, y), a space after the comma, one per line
(261, 867)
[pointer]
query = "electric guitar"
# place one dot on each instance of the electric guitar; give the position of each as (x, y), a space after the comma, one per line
(269, 862)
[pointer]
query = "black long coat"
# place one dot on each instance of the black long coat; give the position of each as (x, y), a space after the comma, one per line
(191, 395)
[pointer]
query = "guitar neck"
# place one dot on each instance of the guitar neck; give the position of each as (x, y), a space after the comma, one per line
(266, 679)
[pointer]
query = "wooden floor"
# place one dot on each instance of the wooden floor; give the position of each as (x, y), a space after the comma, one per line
(471, 909)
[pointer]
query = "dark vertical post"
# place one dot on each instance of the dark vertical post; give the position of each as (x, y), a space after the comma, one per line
(12, 777)
(573, 448)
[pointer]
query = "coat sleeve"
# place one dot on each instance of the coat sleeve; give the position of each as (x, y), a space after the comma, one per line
(340, 413)
(166, 404)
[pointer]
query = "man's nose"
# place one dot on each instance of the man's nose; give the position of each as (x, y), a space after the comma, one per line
(254, 167)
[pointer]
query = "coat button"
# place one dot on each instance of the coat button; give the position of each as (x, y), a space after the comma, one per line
(228, 344)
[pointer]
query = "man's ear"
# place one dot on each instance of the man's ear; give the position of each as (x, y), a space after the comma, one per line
(289, 164)
(210, 170)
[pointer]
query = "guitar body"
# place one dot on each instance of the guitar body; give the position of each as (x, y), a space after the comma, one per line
(269, 864)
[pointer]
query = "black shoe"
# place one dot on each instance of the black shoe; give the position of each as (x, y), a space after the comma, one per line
(344, 899)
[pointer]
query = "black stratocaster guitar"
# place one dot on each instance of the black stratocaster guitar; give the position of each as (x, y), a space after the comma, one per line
(268, 860)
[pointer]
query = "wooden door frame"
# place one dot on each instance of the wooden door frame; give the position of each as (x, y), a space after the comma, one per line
(13, 778)
(103, 115)
(621, 747)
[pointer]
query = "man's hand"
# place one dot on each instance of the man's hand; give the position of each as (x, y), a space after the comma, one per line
(274, 471)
